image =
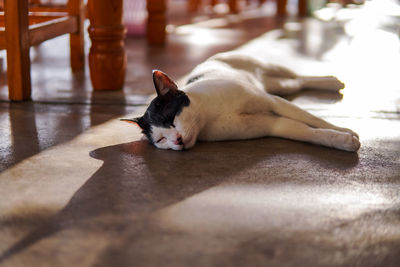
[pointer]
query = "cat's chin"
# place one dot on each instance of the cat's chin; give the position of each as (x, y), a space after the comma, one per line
(189, 142)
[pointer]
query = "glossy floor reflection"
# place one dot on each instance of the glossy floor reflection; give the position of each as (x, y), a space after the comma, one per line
(79, 188)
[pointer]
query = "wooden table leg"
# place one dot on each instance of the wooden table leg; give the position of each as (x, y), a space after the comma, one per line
(302, 8)
(281, 7)
(193, 5)
(107, 57)
(156, 21)
(233, 6)
(17, 39)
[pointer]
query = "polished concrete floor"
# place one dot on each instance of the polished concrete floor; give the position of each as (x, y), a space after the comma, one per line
(79, 188)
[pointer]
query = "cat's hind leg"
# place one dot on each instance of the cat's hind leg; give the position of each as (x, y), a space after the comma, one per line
(281, 86)
(278, 79)
(287, 86)
(253, 65)
(326, 83)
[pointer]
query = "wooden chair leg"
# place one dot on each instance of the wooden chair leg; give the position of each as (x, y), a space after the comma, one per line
(77, 52)
(17, 46)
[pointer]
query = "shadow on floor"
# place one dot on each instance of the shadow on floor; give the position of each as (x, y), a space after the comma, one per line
(136, 180)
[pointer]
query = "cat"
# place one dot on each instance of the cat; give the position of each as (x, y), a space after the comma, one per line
(232, 96)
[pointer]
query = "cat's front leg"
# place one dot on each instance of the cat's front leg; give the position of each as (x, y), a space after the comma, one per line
(295, 130)
(247, 126)
(289, 110)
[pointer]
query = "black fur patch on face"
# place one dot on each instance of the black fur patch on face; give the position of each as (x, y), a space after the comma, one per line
(162, 111)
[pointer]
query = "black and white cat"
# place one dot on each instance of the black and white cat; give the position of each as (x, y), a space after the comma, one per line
(230, 97)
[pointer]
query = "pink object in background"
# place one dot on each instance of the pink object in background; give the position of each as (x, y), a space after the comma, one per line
(135, 15)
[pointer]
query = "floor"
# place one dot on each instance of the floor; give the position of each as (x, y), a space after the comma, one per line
(79, 188)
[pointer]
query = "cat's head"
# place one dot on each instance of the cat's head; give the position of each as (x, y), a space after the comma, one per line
(161, 123)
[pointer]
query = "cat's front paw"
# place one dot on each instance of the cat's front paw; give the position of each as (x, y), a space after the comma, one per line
(349, 142)
(346, 130)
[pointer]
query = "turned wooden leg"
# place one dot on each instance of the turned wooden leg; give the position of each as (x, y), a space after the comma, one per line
(233, 6)
(281, 7)
(107, 57)
(156, 21)
(76, 40)
(193, 5)
(302, 8)
(17, 39)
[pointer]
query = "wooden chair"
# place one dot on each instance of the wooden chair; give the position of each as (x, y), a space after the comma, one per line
(22, 28)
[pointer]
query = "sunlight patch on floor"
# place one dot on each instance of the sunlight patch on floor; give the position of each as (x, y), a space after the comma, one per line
(51, 177)
(259, 207)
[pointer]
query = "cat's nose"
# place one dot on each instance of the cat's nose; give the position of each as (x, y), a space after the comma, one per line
(179, 140)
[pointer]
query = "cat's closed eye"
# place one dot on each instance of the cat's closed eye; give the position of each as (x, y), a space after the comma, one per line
(161, 139)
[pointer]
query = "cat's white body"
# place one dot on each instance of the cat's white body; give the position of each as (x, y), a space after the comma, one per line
(232, 98)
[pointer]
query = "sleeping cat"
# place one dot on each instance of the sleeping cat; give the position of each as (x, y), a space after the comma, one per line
(231, 97)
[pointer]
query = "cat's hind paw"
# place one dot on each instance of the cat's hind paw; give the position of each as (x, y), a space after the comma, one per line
(335, 84)
(327, 83)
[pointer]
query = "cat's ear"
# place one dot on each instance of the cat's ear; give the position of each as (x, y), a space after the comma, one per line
(163, 84)
(136, 121)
